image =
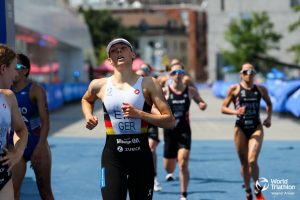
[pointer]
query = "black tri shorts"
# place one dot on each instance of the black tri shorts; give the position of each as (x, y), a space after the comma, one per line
(5, 175)
(127, 165)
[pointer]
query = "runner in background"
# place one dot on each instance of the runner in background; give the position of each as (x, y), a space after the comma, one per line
(248, 130)
(177, 140)
(153, 133)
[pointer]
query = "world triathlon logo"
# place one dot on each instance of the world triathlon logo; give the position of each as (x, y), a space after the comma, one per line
(262, 183)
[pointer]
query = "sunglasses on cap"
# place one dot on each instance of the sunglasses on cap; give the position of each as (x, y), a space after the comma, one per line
(248, 72)
(178, 71)
(20, 66)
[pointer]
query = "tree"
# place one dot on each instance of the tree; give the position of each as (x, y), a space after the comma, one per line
(296, 47)
(103, 28)
(251, 38)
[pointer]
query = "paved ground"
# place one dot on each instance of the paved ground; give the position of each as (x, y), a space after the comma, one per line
(214, 166)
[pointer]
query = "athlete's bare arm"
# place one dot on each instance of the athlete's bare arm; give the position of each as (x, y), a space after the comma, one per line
(188, 81)
(232, 91)
(38, 96)
(13, 157)
(266, 98)
(194, 94)
(153, 95)
(93, 93)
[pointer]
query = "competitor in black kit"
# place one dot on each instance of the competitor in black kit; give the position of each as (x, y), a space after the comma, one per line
(178, 139)
(248, 131)
(127, 98)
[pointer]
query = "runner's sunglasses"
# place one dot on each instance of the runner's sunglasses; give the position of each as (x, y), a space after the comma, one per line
(248, 72)
(178, 71)
(20, 66)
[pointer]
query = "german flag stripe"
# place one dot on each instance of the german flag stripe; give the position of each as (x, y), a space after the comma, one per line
(107, 122)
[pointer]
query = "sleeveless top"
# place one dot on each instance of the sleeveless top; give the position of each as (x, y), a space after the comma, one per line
(28, 110)
(5, 122)
(115, 122)
(179, 104)
(251, 100)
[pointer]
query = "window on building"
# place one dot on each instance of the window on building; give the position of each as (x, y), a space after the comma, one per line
(175, 46)
(222, 5)
(295, 3)
(182, 46)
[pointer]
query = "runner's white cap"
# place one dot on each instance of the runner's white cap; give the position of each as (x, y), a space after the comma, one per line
(116, 41)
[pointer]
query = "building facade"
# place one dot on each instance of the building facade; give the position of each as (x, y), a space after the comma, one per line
(55, 38)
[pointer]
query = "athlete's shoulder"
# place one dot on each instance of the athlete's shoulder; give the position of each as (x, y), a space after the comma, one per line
(233, 87)
(262, 89)
(36, 86)
(149, 81)
(99, 82)
(7, 92)
(9, 96)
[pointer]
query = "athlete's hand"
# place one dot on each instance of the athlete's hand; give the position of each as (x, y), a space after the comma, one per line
(11, 158)
(202, 105)
(267, 122)
(129, 110)
(241, 110)
(91, 122)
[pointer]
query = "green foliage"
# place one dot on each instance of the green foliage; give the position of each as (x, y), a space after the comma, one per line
(103, 28)
(296, 47)
(250, 37)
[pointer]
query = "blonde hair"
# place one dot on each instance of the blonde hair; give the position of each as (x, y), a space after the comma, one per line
(7, 55)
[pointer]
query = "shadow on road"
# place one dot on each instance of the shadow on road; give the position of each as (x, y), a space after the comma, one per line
(68, 114)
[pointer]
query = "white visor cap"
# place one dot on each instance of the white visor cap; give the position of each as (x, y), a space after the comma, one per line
(116, 41)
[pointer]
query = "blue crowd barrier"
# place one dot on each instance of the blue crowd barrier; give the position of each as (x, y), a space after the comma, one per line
(220, 88)
(58, 94)
(285, 95)
(54, 95)
(293, 103)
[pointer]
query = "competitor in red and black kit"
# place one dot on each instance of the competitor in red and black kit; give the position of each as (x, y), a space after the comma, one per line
(178, 139)
(248, 131)
(127, 164)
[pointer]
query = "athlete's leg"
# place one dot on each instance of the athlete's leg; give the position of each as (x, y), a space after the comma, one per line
(241, 144)
(184, 175)
(255, 144)
(170, 152)
(7, 191)
(170, 164)
(42, 170)
(141, 179)
(18, 173)
(153, 145)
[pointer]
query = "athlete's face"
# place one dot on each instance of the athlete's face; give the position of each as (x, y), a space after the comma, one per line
(177, 73)
(22, 71)
(121, 54)
(8, 74)
(247, 73)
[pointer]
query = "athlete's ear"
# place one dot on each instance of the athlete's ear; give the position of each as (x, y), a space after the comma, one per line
(110, 60)
(2, 68)
(133, 55)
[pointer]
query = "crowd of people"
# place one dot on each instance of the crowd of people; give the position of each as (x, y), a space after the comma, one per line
(138, 108)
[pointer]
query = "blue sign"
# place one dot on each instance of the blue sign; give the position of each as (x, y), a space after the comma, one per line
(7, 23)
